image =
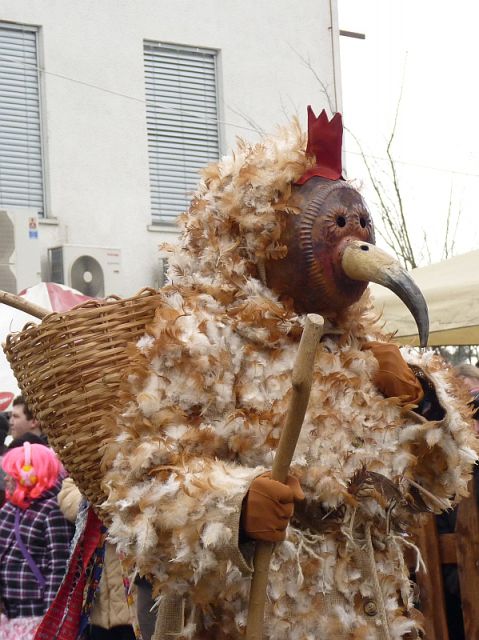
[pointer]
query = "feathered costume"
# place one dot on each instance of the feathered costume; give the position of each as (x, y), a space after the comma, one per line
(201, 415)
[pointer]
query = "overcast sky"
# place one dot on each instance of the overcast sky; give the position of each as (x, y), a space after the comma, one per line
(429, 49)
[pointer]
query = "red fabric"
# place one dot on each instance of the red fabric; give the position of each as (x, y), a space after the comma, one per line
(56, 298)
(325, 138)
(70, 595)
(63, 299)
(6, 398)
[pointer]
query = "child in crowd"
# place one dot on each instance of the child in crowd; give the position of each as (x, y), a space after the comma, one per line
(4, 428)
(34, 539)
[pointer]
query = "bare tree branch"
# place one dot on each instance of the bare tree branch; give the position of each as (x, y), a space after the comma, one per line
(395, 229)
(426, 246)
(322, 84)
(394, 232)
(404, 228)
(288, 112)
(450, 236)
(445, 249)
(254, 125)
(454, 235)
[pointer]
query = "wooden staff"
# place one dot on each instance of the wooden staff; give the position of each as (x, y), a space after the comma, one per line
(302, 379)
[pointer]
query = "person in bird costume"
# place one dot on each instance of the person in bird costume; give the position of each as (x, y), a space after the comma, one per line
(275, 232)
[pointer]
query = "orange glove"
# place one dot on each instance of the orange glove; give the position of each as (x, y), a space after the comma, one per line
(268, 507)
(394, 378)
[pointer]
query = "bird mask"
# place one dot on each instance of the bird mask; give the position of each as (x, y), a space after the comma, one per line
(331, 254)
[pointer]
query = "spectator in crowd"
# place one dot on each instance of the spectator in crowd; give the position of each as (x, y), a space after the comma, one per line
(22, 420)
(446, 521)
(469, 374)
(34, 539)
(110, 617)
(4, 427)
(27, 437)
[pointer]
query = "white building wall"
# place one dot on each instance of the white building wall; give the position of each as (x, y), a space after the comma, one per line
(94, 118)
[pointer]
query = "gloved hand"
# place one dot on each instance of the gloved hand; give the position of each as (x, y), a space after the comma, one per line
(268, 507)
(394, 378)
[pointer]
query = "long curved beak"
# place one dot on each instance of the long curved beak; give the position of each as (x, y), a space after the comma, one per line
(365, 262)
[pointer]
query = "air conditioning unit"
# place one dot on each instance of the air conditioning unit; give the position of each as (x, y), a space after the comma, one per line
(19, 249)
(95, 271)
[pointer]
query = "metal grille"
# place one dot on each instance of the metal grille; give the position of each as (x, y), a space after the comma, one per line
(182, 121)
(21, 172)
(56, 265)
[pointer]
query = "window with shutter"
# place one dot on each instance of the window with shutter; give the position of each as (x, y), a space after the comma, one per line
(21, 170)
(182, 122)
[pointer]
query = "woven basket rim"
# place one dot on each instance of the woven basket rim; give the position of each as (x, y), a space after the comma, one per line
(94, 304)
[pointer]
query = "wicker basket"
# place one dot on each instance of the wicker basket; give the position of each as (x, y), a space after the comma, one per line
(69, 369)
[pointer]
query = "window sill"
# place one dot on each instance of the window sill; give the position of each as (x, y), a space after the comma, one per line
(48, 221)
(163, 228)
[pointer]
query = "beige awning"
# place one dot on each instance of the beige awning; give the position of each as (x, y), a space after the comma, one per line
(451, 289)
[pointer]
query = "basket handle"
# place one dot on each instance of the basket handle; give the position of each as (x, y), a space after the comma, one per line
(17, 302)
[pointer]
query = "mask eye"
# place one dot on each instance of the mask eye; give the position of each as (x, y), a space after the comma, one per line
(341, 221)
(362, 222)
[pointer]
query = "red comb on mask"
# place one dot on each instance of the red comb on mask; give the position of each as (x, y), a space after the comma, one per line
(325, 139)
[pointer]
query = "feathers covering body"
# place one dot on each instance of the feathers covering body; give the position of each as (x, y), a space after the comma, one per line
(202, 412)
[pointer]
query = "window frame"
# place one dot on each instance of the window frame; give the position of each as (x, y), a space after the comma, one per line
(158, 218)
(36, 31)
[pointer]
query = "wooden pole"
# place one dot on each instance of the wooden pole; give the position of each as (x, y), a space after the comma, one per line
(431, 585)
(467, 538)
(17, 302)
(302, 379)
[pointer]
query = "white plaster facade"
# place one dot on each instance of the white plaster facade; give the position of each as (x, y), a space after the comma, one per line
(93, 101)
